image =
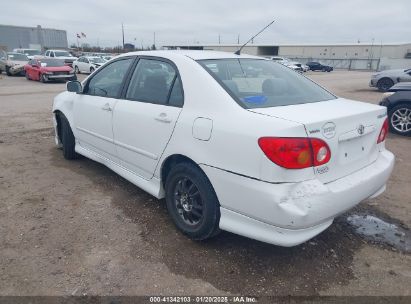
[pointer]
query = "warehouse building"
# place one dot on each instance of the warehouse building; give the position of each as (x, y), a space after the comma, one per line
(360, 56)
(12, 37)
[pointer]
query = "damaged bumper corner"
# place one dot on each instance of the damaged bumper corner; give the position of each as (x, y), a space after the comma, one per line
(299, 210)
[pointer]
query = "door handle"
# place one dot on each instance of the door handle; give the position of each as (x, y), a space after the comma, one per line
(107, 107)
(163, 118)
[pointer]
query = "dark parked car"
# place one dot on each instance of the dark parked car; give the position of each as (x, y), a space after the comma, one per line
(398, 103)
(316, 66)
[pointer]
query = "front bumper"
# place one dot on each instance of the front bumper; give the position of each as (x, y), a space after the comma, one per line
(57, 77)
(288, 214)
(373, 83)
(16, 69)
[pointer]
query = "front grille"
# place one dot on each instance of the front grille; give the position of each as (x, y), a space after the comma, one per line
(60, 73)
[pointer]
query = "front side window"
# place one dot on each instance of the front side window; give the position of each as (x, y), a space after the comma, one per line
(107, 82)
(257, 83)
(152, 81)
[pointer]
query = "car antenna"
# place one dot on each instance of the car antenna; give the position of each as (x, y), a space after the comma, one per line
(238, 52)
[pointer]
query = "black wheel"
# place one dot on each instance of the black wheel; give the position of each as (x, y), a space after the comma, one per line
(192, 202)
(384, 84)
(400, 119)
(76, 70)
(43, 78)
(91, 70)
(67, 138)
(8, 71)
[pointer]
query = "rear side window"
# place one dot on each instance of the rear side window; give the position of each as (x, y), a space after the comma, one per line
(257, 83)
(107, 82)
(155, 81)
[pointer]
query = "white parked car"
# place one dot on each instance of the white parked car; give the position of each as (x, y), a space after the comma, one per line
(273, 157)
(30, 53)
(384, 80)
(61, 54)
(87, 64)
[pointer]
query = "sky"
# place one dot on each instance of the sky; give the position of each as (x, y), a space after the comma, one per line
(203, 22)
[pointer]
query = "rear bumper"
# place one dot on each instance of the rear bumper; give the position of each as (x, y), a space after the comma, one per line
(288, 214)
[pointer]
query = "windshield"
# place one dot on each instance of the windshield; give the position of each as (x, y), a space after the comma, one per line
(256, 83)
(62, 54)
(51, 62)
(17, 57)
(97, 60)
(32, 52)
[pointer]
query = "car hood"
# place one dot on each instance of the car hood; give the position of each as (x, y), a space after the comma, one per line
(391, 72)
(16, 62)
(66, 58)
(64, 68)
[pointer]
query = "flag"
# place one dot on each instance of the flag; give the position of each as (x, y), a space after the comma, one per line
(82, 34)
(78, 36)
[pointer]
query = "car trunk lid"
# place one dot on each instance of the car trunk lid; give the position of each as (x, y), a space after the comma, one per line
(349, 128)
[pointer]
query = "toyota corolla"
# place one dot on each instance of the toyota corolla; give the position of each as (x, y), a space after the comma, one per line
(232, 142)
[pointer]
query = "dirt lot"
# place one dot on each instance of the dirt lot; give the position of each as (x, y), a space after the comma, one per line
(74, 227)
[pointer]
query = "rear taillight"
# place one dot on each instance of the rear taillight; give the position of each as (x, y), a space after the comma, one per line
(383, 132)
(295, 152)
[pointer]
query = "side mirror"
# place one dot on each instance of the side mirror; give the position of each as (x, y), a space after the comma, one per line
(74, 86)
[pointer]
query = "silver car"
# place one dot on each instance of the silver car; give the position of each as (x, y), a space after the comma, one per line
(12, 63)
(386, 79)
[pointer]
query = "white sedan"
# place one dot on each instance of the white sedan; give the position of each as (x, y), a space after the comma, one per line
(268, 155)
(87, 64)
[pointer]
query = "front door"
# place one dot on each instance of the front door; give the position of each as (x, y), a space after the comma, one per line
(93, 109)
(144, 121)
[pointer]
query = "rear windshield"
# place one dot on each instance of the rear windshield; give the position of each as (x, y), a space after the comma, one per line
(31, 52)
(256, 83)
(17, 57)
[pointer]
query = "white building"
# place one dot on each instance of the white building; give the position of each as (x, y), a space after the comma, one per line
(349, 56)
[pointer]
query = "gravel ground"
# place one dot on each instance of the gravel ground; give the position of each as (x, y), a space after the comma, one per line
(75, 227)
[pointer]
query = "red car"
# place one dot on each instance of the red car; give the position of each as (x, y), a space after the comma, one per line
(45, 69)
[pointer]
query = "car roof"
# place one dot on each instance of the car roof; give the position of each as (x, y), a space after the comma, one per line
(193, 54)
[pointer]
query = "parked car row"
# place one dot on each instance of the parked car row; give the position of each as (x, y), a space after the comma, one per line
(299, 67)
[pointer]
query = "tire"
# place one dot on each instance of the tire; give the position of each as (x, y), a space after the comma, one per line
(76, 70)
(399, 118)
(384, 84)
(67, 139)
(42, 78)
(8, 71)
(192, 202)
(91, 70)
(27, 76)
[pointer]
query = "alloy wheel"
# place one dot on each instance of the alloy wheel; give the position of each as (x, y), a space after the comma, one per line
(188, 201)
(401, 120)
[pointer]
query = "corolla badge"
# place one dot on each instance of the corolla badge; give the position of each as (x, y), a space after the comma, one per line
(360, 129)
(329, 130)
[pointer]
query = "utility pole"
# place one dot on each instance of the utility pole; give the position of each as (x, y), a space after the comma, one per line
(219, 39)
(122, 31)
(238, 39)
(154, 39)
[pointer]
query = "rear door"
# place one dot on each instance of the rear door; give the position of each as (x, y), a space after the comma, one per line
(93, 109)
(145, 117)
